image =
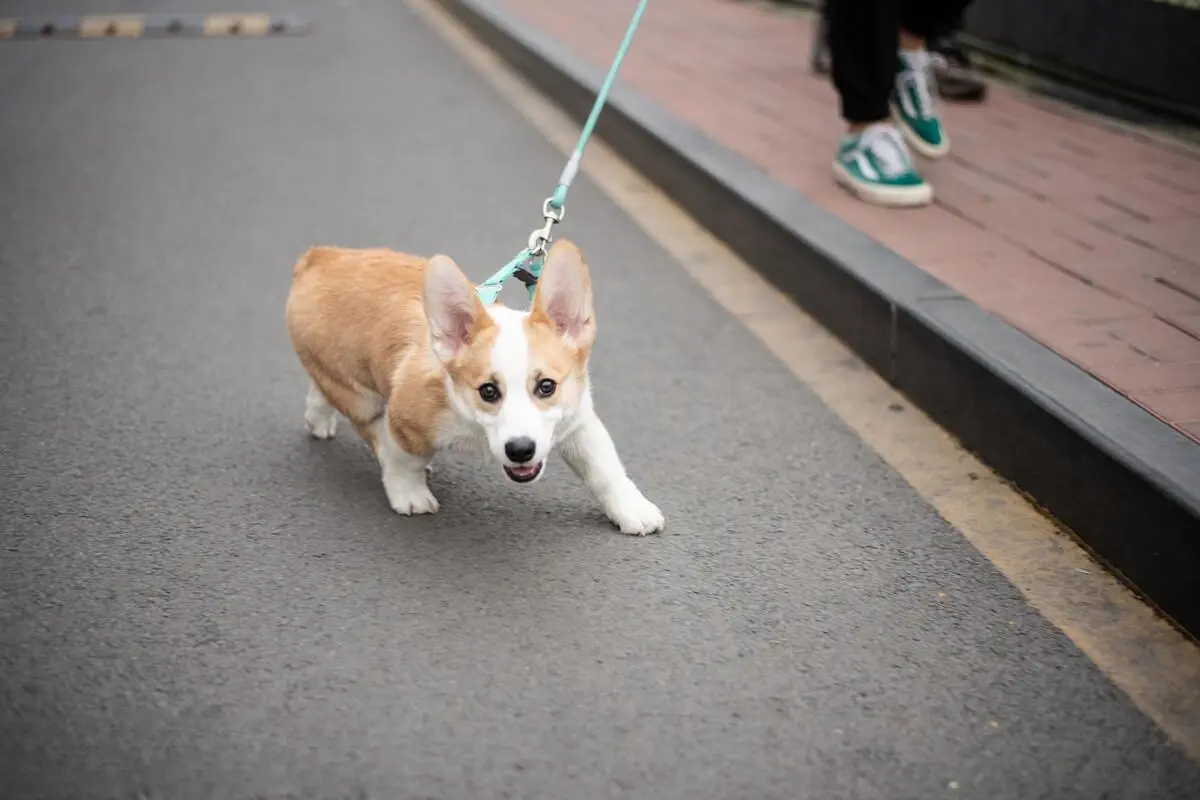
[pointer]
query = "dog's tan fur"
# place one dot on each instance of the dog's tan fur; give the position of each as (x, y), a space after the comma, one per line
(357, 322)
(402, 346)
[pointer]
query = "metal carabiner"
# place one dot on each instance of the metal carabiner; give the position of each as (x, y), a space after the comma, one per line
(540, 238)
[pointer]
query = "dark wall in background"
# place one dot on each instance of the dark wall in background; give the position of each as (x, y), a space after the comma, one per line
(1149, 49)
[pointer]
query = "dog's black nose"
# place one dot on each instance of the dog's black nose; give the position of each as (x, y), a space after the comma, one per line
(520, 450)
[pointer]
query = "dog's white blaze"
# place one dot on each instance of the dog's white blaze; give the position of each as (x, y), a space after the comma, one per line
(518, 415)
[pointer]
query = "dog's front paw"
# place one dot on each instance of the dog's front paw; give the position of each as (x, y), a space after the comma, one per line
(633, 514)
(411, 497)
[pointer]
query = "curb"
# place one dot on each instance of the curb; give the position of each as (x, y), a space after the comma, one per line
(1123, 482)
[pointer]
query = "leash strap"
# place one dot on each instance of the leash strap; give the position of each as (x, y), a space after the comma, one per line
(527, 265)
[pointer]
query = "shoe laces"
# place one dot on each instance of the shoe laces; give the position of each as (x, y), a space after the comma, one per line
(886, 144)
(919, 76)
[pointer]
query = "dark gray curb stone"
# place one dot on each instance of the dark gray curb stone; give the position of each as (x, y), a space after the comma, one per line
(1125, 483)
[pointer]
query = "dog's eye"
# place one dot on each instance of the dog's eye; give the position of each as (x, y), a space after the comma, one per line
(490, 392)
(546, 387)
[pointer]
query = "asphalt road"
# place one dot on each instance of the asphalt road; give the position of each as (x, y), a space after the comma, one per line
(201, 602)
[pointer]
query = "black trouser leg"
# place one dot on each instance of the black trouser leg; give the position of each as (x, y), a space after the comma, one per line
(948, 28)
(930, 19)
(863, 39)
(864, 36)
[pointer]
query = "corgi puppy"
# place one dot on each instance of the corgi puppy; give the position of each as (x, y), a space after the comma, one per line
(403, 347)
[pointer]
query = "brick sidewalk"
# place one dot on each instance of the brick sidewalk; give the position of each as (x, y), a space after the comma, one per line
(1086, 239)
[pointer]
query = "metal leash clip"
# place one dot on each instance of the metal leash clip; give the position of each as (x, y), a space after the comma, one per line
(540, 238)
(527, 264)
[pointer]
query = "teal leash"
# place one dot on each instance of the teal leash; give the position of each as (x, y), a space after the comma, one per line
(527, 265)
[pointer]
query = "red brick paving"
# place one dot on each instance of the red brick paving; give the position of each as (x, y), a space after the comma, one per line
(1085, 238)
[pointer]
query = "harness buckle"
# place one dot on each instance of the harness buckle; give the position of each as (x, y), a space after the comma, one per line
(526, 277)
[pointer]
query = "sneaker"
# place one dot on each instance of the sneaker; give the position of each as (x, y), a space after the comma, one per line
(957, 78)
(876, 167)
(914, 105)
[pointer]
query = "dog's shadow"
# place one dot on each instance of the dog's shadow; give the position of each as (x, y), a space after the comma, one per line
(486, 531)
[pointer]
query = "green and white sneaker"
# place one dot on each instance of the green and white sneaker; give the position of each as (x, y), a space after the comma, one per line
(914, 105)
(876, 167)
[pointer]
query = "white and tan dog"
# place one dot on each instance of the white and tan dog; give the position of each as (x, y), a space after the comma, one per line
(403, 347)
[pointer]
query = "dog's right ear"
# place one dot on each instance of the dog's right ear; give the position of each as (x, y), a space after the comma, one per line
(563, 298)
(454, 311)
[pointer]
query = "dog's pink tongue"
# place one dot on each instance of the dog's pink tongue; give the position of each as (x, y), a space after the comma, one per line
(523, 471)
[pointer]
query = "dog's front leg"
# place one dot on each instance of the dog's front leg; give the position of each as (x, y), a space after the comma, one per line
(405, 474)
(589, 451)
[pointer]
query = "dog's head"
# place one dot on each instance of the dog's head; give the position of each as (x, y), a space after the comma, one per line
(517, 374)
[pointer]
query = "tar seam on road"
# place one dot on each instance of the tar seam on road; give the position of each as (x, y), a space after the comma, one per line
(141, 26)
(1143, 654)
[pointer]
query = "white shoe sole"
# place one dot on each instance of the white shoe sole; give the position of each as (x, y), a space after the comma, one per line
(888, 196)
(916, 142)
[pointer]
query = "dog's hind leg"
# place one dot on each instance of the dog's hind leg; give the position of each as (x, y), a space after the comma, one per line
(327, 397)
(319, 415)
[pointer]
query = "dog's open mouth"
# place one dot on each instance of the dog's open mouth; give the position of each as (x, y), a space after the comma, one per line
(524, 473)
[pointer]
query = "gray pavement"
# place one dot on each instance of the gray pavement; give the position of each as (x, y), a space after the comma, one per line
(200, 602)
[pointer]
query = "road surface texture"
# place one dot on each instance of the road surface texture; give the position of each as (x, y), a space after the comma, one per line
(201, 602)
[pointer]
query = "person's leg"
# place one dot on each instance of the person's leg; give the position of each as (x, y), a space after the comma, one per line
(872, 160)
(914, 102)
(957, 78)
(862, 42)
(821, 61)
(928, 19)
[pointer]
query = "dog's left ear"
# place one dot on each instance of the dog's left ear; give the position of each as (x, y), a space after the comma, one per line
(455, 313)
(564, 295)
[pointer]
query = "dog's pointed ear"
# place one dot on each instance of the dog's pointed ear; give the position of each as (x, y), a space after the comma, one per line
(455, 313)
(564, 295)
